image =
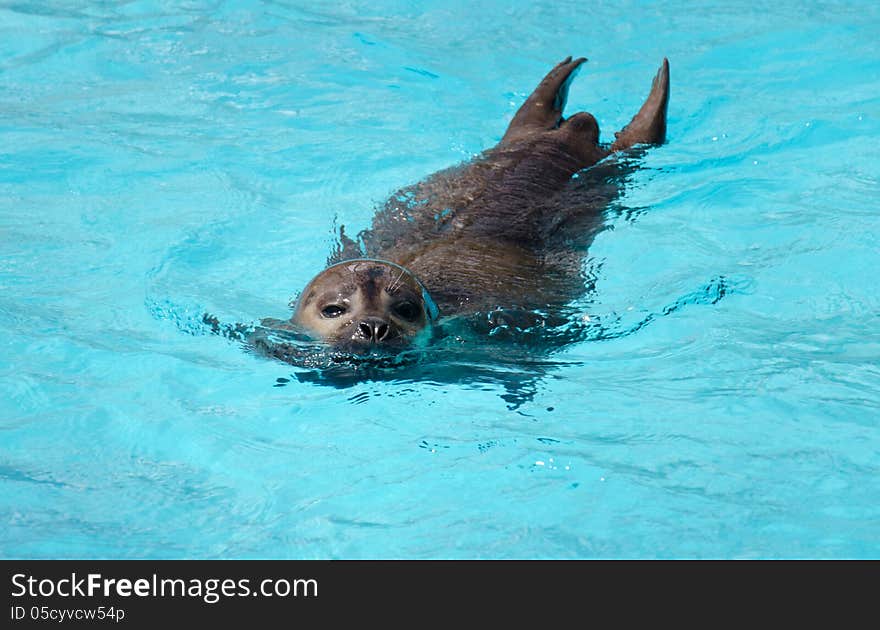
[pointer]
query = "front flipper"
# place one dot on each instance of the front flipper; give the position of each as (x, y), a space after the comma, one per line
(542, 110)
(649, 125)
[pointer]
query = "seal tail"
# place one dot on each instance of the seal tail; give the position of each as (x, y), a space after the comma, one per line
(649, 125)
(542, 110)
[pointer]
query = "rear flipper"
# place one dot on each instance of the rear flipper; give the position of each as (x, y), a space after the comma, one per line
(540, 118)
(542, 110)
(649, 125)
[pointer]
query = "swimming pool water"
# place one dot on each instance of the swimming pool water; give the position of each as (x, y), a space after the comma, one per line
(162, 159)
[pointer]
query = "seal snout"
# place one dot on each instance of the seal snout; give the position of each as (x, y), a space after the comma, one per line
(374, 330)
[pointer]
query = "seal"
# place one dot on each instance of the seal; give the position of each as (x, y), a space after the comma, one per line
(505, 233)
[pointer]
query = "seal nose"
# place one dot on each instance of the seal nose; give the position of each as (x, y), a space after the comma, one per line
(374, 329)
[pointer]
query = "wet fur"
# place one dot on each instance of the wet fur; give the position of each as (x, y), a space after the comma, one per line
(510, 229)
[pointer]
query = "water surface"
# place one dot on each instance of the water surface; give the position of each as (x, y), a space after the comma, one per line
(163, 159)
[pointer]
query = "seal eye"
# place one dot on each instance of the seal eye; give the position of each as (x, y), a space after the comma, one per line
(333, 310)
(407, 310)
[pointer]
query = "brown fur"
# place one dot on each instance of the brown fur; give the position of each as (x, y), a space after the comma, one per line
(510, 228)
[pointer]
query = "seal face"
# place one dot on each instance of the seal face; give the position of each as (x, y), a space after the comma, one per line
(364, 304)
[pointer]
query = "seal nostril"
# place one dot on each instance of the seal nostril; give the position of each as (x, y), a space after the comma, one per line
(366, 330)
(374, 329)
(381, 331)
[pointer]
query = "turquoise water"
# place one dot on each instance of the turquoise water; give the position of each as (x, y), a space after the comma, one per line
(162, 159)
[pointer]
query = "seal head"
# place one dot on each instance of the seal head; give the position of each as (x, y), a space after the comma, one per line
(365, 305)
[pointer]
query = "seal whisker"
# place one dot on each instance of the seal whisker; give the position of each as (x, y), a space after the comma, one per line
(394, 286)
